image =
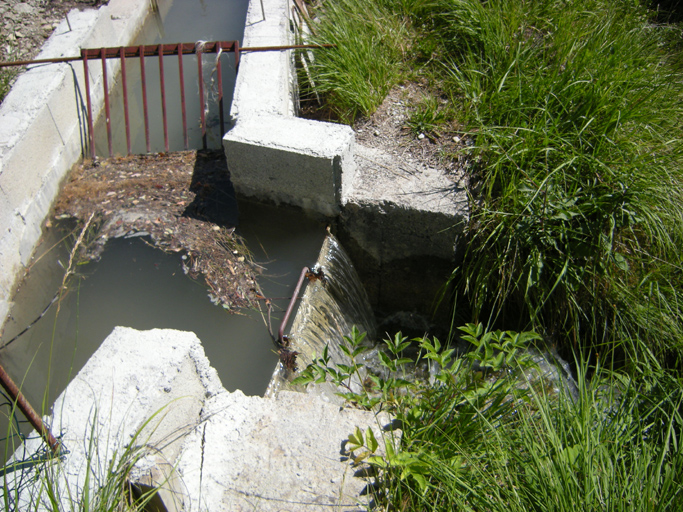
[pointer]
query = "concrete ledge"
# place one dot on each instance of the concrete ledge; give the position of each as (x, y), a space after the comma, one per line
(208, 449)
(131, 378)
(290, 160)
(43, 128)
(271, 154)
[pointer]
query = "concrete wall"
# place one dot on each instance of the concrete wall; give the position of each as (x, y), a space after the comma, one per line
(271, 154)
(43, 128)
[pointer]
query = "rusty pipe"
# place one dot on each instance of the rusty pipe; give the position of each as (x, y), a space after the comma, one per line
(135, 52)
(295, 295)
(17, 397)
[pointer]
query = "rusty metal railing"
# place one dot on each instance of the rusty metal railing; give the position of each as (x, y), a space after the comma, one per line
(161, 50)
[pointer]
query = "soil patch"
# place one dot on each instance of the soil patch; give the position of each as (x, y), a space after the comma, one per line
(24, 27)
(184, 201)
(388, 130)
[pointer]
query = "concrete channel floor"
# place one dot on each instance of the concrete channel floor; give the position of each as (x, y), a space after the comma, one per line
(209, 449)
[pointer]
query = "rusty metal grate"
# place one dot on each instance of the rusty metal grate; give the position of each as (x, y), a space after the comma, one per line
(160, 51)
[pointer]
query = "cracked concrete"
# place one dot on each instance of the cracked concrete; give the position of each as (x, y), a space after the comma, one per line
(208, 448)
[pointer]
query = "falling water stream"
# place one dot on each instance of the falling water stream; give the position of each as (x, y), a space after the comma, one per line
(329, 309)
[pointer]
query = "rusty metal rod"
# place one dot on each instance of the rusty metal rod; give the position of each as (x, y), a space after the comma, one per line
(107, 110)
(295, 295)
(91, 131)
(56, 60)
(285, 47)
(151, 50)
(125, 100)
(202, 116)
(144, 98)
(182, 99)
(219, 72)
(163, 95)
(17, 397)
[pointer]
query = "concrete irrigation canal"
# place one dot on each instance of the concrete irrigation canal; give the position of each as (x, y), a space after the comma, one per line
(215, 449)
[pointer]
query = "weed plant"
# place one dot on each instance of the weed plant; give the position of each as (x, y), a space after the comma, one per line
(482, 435)
(575, 116)
(367, 63)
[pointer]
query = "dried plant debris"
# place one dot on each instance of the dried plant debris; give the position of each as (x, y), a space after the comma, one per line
(183, 201)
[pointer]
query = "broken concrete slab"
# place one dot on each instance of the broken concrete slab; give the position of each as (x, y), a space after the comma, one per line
(207, 448)
(252, 453)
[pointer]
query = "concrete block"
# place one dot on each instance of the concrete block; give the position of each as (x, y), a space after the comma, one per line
(271, 154)
(149, 384)
(419, 210)
(211, 449)
(290, 160)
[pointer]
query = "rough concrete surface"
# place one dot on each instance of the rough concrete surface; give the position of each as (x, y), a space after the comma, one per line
(271, 154)
(42, 130)
(212, 450)
(290, 160)
(273, 455)
(395, 209)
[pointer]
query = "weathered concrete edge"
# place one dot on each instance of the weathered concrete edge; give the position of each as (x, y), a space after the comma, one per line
(252, 448)
(42, 129)
(270, 153)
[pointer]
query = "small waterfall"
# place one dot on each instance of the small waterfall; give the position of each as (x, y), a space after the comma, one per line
(328, 310)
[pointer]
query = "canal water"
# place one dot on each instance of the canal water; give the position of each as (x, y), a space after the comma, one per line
(136, 285)
(187, 21)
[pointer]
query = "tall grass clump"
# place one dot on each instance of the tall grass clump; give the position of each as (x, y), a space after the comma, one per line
(367, 62)
(576, 228)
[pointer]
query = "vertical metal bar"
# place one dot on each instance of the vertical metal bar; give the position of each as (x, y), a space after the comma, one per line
(125, 98)
(182, 95)
(163, 95)
(107, 111)
(144, 96)
(27, 410)
(219, 71)
(91, 133)
(200, 77)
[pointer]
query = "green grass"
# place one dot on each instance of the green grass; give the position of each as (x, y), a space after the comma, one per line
(573, 111)
(573, 115)
(367, 63)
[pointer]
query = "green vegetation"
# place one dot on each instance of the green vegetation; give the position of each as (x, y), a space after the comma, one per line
(572, 112)
(474, 439)
(41, 483)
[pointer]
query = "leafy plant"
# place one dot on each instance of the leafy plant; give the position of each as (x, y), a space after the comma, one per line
(473, 440)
